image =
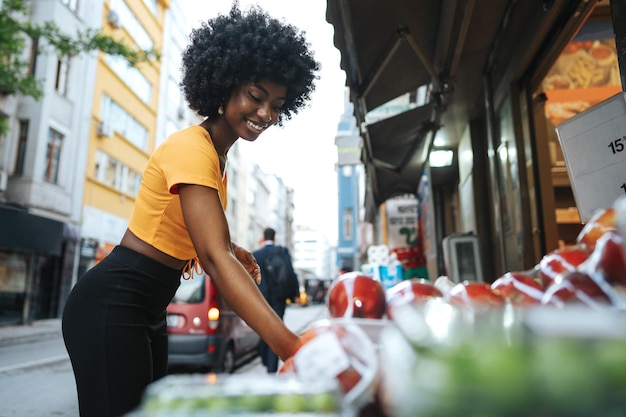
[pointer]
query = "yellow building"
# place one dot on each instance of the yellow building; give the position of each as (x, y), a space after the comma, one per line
(124, 121)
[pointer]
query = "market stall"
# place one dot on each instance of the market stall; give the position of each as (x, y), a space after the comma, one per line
(546, 342)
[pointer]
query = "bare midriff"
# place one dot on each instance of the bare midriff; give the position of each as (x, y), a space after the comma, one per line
(133, 242)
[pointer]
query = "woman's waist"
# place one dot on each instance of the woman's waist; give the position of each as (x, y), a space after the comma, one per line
(134, 243)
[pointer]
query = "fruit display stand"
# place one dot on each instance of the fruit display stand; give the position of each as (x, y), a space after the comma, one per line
(548, 342)
(547, 361)
(205, 395)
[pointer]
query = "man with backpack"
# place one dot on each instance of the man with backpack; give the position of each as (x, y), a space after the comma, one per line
(279, 282)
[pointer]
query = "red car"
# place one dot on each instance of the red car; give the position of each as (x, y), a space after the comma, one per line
(204, 333)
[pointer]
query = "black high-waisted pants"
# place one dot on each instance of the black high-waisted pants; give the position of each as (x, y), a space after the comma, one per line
(115, 331)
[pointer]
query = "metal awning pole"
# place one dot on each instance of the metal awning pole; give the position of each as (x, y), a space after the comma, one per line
(618, 11)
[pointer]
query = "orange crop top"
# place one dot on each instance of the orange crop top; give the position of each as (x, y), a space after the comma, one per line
(186, 157)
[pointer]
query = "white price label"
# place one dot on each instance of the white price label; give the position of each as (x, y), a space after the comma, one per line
(594, 147)
(322, 357)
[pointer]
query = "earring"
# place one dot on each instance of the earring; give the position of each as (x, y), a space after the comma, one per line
(270, 120)
(220, 110)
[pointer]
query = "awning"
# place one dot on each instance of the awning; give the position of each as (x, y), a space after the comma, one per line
(387, 46)
(22, 231)
(391, 48)
(387, 50)
(395, 152)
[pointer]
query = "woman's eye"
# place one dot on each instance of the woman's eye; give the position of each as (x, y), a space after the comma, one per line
(254, 98)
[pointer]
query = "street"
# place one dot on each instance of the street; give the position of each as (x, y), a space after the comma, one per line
(36, 377)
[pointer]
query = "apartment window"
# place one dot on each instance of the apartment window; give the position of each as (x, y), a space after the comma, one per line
(61, 81)
(71, 4)
(348, 224)
(123, 123)
(151, 5)
(132, 77)
(22, 140)
(115, 174)
(131, 24)
(33, 56)
(53, 156)
(174, 94)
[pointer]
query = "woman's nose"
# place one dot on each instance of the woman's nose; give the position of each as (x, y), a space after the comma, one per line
(265, 113)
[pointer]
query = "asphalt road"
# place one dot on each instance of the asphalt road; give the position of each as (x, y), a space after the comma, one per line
(36, 378)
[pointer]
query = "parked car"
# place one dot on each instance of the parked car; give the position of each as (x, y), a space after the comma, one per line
(316, 289)
(204, 333)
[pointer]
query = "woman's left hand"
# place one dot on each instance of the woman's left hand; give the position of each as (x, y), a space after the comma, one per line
(249, 262)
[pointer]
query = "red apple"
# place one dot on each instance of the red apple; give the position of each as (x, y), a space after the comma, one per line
(356, 295)
(608, 259)
(472, 293)
(519, 289)
(602, 221)
(414, 290)
(340, 351)
(561, 261)
(575, 286)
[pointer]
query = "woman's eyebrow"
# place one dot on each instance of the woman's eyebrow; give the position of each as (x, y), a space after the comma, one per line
(260, 87)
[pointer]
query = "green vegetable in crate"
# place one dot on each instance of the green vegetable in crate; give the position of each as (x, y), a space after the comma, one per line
(546, 376)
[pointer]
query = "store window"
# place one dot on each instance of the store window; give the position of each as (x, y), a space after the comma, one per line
(12, 287)
(586, 73)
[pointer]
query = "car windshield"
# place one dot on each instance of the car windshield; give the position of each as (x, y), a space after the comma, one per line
(191, 291)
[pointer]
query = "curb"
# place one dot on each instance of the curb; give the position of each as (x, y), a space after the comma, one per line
(36, 363)
(39, 330)
(18, 340)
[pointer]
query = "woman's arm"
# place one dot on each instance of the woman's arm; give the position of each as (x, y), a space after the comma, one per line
(208, 228)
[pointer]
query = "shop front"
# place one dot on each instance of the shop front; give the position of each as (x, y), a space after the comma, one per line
(488, 81)
(36, 265)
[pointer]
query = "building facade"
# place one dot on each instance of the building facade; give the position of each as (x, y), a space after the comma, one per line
(42, 166)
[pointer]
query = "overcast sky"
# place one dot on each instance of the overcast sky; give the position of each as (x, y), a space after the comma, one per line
(302, 152)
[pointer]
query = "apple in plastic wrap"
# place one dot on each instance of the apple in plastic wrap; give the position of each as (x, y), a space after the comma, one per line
(577, 287)
(520, 289)
(339, 351)
(473, 293)
(414, 290)
(444, 284)
(603, 220)
(356, 295)
(608, 259)
(561, 261)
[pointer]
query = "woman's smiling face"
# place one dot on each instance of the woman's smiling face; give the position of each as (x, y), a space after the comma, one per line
(253, 107)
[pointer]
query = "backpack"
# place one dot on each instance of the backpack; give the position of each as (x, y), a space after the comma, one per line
(282, 280)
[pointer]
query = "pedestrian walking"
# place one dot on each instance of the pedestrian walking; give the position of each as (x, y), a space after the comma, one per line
(243, 72)
(279, 283)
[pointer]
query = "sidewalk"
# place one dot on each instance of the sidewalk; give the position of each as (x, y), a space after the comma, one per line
(296, 318)
(39, 330)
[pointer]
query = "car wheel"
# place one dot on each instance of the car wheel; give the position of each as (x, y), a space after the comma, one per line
(228, 366)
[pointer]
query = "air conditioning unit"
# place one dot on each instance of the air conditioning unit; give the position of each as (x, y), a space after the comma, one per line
(104, 130)
(113, 19)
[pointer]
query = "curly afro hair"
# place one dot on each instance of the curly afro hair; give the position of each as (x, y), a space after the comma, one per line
(246, 47)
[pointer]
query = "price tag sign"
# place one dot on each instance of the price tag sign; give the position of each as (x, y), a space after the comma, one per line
(594, 147)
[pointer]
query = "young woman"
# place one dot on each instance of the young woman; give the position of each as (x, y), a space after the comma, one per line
(243, 72)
